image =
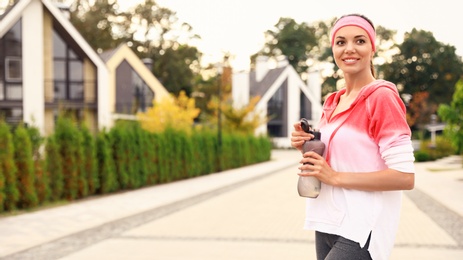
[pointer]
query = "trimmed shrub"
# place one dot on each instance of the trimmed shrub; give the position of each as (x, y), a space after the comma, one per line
(42, 180)
(442, 148)
(54, 168)
(106, 170)
(67, 137)
(119, 145)
(90, 160)
(140, 151)
(422, 156)
(82, 178)
(25, 165)
(8, 168)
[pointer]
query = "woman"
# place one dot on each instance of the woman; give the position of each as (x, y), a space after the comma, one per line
(368, 159)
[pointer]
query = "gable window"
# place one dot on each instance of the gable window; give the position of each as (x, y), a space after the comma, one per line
(306, 107)
(68, 73)
(277, 112)
(132, 93)
(11, 65)
(11, 75)
(143, 95)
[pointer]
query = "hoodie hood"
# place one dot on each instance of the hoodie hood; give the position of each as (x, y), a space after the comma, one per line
(333, 99)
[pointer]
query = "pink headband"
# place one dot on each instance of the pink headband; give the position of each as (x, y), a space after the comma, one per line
(355, 21)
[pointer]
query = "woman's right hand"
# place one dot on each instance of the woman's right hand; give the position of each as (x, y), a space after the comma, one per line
(298, 136)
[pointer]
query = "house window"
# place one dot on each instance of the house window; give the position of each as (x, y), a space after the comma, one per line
(306, 107)
(13, 69)
(275, 105)
(68, 71)
(132, 93)
(12, 115)
(277, 112)
(11, 65)
(143, 95)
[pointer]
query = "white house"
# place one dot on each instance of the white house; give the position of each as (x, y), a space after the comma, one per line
(285, 97)
(49, 66)
(132, 85)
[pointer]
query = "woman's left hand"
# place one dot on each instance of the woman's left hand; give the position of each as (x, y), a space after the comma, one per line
(315, 165)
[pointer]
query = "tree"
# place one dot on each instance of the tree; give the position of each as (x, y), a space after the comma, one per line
(424, 64)
(68, 140)
(174, 67)
(97, 21)
(24, 162)
(243, 120)
(292, 39)
(42, 180)
(453, 115)
(54, 169)
(418, 109)
(90, 163)
(150, 30)
(178, 113)
(106, 165)
(8, 168)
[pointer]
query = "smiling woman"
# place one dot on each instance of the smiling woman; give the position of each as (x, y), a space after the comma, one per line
(356, 214)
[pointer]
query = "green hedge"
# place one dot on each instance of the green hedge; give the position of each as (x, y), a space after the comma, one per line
(428, 152)
(74, 163)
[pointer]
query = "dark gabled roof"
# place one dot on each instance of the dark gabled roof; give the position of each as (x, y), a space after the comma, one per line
(260, 88)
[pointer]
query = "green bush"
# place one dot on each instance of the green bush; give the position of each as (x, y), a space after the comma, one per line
(106, 168)
(76, 163)
(42, 180)
(422, 156)
(119, 143)
(25, 165)
(8, 168)
(90, 162)
(430, 152)
(54, 169)
(67, 137)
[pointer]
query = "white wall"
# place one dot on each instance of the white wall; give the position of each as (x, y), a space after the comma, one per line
(240, 89)
(33, 65)
(240, 94)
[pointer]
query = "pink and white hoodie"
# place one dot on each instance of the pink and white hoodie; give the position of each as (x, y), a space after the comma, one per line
(371, 135)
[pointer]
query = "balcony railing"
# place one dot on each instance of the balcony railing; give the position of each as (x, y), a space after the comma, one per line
(83, 93)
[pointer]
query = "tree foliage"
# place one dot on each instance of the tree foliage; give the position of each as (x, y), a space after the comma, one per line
(178, 113)
(243, 120)
(8, 168)
(453, 115)
(418, 109)
(425, 64)
(97, 21)
(292, 39)
(176, 67)
(24, 162)
(150, 30)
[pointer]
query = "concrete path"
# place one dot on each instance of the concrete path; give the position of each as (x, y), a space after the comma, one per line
(249, 213)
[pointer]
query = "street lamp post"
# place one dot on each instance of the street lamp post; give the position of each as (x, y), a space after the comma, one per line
(219, 116)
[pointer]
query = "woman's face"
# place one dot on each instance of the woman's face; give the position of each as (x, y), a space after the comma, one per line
(352, 50)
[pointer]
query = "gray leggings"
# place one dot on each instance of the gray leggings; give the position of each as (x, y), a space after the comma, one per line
(333, 247)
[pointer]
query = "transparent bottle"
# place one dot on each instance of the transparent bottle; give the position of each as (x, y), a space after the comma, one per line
(309, 186)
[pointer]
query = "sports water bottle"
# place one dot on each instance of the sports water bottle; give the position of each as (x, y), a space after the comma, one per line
(309, 186)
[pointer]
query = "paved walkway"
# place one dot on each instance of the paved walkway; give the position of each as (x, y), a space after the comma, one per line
(249, 213)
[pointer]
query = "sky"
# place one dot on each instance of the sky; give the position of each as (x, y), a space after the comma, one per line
(238, 26)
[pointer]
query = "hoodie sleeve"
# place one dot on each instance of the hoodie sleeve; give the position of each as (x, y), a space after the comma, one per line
(389, 128)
